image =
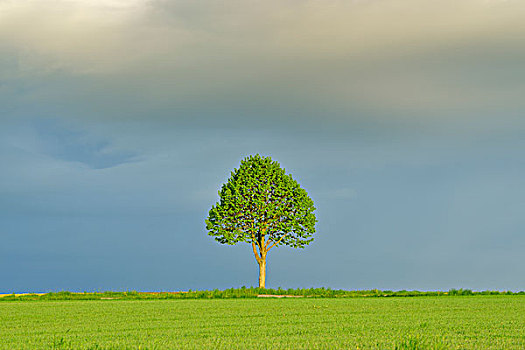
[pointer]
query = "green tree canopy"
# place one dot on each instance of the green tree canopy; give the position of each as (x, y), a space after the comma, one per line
(263, 206)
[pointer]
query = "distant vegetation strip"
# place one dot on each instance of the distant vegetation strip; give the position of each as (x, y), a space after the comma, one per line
(244, 292)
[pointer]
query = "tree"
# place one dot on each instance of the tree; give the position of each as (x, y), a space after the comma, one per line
(264, 207)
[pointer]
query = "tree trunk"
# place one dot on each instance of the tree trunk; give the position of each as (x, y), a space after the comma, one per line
(262, 273)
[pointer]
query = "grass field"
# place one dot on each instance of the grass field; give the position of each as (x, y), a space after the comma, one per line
(478, 322)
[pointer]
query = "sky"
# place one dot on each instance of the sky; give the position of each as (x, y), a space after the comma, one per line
(120, 120)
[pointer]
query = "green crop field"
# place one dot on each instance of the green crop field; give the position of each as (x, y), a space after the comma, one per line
(466, 322)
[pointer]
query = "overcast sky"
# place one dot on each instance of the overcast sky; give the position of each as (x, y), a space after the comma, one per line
(403, 119)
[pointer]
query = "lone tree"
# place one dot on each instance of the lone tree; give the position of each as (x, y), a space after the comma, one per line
(262, 206)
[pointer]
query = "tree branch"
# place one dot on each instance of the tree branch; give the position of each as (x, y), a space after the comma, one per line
(280, 239)
(257, 257)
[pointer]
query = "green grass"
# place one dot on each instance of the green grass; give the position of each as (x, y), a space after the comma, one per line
(246, 293)
(481, 322)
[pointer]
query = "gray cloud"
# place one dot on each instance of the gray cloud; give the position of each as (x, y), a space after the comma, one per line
(78, 146)
(407, 63)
